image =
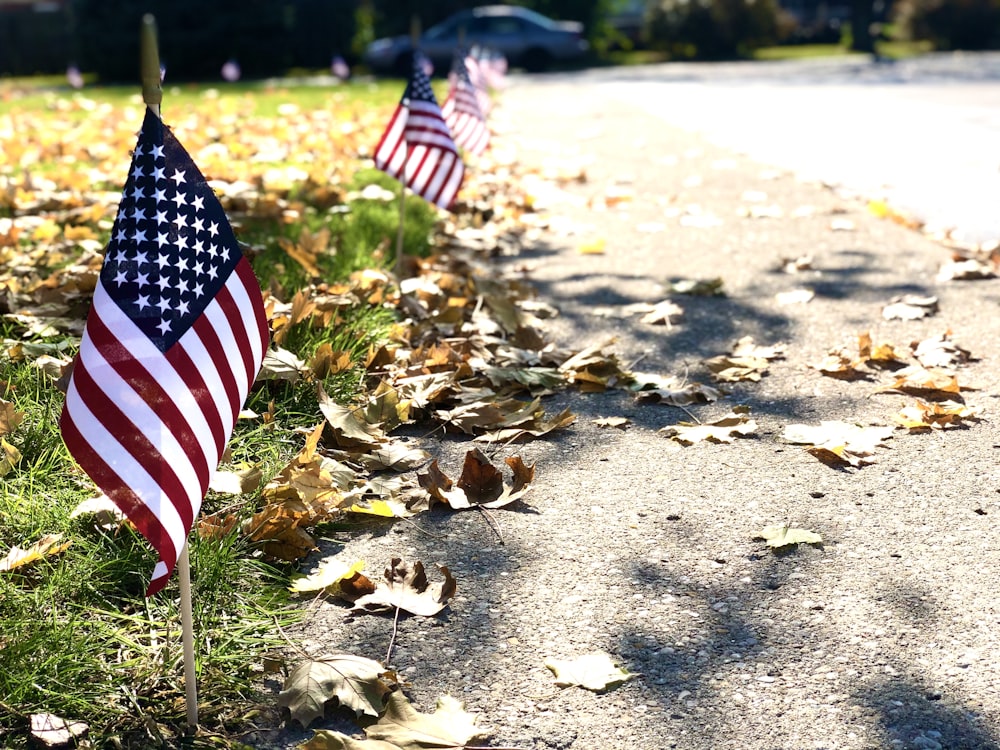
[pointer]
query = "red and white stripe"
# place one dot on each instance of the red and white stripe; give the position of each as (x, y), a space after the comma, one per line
(417, 148)
(461, 111)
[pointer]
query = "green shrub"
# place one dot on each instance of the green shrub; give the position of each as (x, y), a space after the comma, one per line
(950, 24)
(712, 29)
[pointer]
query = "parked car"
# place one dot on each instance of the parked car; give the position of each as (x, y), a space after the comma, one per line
(527, 39)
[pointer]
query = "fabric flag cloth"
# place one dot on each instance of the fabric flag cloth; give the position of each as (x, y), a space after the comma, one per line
(417, 147)
(461, 110)
(477, 76)
(172, 344)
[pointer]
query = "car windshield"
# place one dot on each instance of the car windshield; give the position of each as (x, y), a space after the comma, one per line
(537, 18)
(445, 28)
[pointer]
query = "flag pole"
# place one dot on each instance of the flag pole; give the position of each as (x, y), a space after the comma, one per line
(152, 95)
(414, 45)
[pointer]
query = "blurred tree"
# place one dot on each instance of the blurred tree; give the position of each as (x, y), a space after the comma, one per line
(712, 29)
(950, 24)
(862, 19)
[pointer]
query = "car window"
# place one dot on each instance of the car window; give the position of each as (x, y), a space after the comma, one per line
(497, 25)
(445, 29)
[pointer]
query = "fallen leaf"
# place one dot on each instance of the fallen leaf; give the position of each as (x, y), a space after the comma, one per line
(796, 265)
(281, 364)
(480, 484)
(356, 683)
(910, 307)
(612, 422)
(838, 364)
(838, 443)
(450, 727)
(236, 482)
(594, 247)
(106, 515)
(932, 383)
(794, 297)
(785, 536)
(925, 415)
(407, 588)
(736, 423)
(48, 546)
(964, 270)
(664, 313)
(9, 457)
(746, 362)
(696, 287)
(349, 429)
(538, 428)
(940, 352)
(10, 417)
(883, 355)
(336, 578)
(327, 739)
(595, 671)
(49, 730)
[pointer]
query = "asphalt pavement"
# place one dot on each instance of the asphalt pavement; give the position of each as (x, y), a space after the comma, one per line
(885, 636)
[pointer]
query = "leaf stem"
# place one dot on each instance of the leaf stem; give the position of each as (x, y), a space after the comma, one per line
(392, 641)
(493, 523)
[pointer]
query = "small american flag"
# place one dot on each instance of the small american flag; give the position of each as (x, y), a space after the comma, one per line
(477, 74)
(172, 344)
(461, 110)
(417, 147)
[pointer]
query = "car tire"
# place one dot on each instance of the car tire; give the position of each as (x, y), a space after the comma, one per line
(536, 60)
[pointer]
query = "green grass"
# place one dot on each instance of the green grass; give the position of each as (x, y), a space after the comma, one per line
(890, 49)
(77, 636)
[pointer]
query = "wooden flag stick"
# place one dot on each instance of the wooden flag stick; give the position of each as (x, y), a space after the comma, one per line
(152, 95)
(187, 635)
(414, 45)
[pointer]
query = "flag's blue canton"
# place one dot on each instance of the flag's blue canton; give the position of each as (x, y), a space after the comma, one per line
(419, 87)
(171, 247)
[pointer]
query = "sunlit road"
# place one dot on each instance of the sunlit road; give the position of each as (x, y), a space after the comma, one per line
(924, 133)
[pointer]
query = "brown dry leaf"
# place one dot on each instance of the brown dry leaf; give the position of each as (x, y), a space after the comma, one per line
(328, 739)
(278, 528)
(746, 362)
(10, 417)
(593, 370)
(882, 355)
(407, 588)
(357, 683)
(965, 269)
(940, 352)
(595, 671)
(736, 423)
(350, 430)
(594, 247)
(796, 265)
(48, 546)
(838, 364)
(106, 515)
(450, 727)
(480, 484)
(9, 457)
(307, 250)
(236, 482)
(934, 384)
(326, 361)
(696, 287)
(664, 313)
(657, 389)
(910, 307)
(538, 428)
(839, 443)
(335, 578)
(620, 422)
(924, 415)
(281, 364)
(49, 730)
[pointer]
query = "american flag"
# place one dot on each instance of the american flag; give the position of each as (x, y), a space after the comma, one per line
(417, 148)
(172, 344)
(477, 74)
(461, 110)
